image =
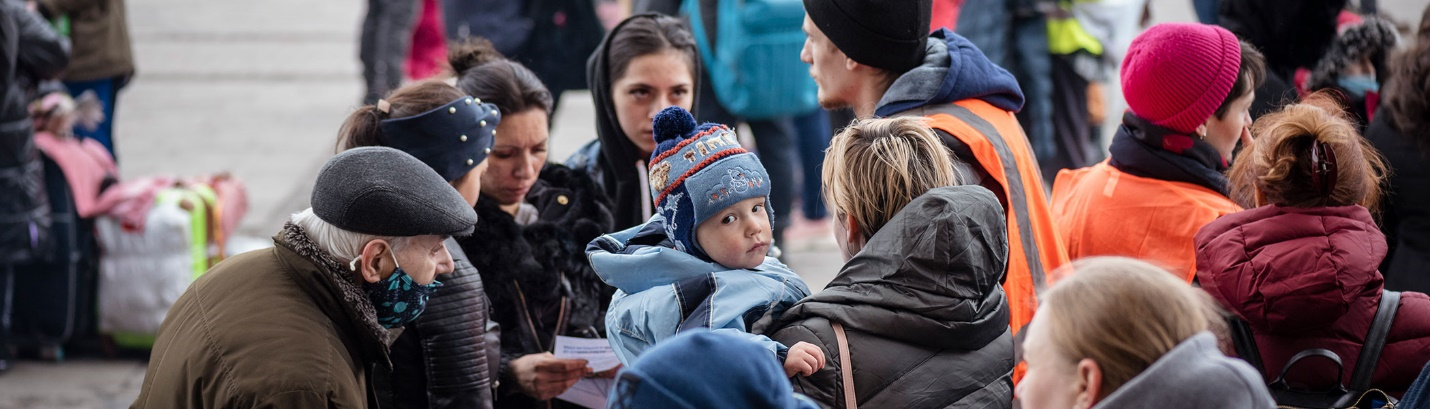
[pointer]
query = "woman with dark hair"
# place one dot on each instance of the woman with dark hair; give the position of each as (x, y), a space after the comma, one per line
(646, 63)
(1401, 131)
(447, 356)
(536, 218)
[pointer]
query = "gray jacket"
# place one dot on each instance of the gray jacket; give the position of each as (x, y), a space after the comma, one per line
(1195, 374)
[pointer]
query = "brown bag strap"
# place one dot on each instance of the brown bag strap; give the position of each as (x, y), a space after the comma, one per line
(845, 367)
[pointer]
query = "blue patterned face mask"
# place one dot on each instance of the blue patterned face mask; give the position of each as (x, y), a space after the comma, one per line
(398, 299)
(1358, 85)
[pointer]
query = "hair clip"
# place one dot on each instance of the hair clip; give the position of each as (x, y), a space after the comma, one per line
(384, 106)
(1323, 168)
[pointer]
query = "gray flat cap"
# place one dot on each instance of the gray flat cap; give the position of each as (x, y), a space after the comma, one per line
(386, 192)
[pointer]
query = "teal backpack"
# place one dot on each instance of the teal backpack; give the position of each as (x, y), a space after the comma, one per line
(755, 68)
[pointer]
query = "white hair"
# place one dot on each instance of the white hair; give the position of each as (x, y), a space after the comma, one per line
(341, 244)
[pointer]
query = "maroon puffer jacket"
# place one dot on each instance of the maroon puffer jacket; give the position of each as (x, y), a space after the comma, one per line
(1307, 278)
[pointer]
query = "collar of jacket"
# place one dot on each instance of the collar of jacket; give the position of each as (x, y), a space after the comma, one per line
(1142, 149)
(643, 257)
(332, 287)
(953, 70)
(1204, 377)
(947, 248)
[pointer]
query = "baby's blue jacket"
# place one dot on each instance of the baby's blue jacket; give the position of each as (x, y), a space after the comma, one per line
(662, 291)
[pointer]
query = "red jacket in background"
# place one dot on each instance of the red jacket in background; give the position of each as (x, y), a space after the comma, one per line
(1307, 278)
(945, 14)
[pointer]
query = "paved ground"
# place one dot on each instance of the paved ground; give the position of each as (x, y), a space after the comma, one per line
(259, 88)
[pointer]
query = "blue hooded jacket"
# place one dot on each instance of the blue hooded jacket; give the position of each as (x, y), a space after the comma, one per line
(953, 70)
(704, 369)
(661, 291)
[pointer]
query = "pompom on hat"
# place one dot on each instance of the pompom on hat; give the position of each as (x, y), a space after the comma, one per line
(1176, 75)
(697, 171)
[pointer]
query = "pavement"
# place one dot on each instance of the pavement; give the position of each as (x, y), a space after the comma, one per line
(258, 88)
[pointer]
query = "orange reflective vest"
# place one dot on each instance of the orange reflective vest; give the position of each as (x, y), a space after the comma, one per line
(1102, 211)
(1000, 148)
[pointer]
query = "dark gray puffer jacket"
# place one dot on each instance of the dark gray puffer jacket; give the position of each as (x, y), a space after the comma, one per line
(926, 319)
(29, 51)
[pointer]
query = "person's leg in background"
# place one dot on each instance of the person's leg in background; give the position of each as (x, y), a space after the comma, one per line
(386, 36)
(428, 54)
(7, 291)
(1032, 65)
(986, 23)
(839, 119)
(1207, 10)
(1070, 119)
(107, 91)
(812, 132)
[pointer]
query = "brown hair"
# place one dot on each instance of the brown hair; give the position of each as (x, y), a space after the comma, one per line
(1407, 91)
(484, 73)
(873, 168)
(1278, 164)
(650, 35)
(1122, 313)
(363, 126)
(1250, 76)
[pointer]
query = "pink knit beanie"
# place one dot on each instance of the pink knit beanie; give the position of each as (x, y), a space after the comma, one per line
(1176, 75)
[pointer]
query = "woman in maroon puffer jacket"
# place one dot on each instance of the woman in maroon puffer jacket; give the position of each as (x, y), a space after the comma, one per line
(1302, 267)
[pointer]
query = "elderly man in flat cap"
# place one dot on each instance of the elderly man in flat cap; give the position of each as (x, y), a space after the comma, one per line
(304, 324)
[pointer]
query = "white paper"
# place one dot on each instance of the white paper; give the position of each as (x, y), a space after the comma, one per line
(596, 351)
(589, 392)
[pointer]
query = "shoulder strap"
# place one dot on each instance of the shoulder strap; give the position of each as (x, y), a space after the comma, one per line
(845, 367)
(1375, 341)
(1245, 342)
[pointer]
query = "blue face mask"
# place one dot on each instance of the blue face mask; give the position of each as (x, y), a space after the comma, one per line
(1358, 85)
(398, 299)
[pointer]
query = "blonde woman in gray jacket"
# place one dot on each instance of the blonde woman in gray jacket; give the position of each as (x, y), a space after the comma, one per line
(1122, 333)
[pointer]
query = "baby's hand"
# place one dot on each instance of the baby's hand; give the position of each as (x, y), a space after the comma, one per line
(803, 359)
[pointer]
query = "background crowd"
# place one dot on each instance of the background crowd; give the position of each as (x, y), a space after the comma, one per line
(1258, 197)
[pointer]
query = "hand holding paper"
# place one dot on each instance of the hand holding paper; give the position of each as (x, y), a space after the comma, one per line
(596, 351)
(600, 357)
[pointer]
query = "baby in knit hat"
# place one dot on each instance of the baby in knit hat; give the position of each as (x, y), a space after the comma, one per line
(702, 261)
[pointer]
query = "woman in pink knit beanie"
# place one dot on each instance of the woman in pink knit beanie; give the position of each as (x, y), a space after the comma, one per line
(1188, 87)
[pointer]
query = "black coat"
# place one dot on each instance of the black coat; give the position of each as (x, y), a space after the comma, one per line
(541, 270)
(29, 51)
(448, 357)
(1291, 34)
(926, 318)
(1406, 210)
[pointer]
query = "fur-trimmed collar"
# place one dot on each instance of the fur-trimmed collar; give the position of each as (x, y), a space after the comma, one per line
(355, 301)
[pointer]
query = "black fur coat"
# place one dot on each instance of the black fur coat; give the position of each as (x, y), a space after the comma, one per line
(538, 265)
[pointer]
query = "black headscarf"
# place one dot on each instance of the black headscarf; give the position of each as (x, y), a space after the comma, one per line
(618, 155)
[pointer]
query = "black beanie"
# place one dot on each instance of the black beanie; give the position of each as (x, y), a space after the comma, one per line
(885, 34)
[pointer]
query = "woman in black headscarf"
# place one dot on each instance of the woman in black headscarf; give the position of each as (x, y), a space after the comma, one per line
(646, 63)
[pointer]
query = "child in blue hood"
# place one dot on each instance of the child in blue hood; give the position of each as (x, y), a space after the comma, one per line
(702, 261)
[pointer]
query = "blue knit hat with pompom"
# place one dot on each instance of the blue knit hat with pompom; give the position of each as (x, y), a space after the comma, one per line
(697, 171)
